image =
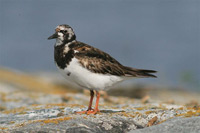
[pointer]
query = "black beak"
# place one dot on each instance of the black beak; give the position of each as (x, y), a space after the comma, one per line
(55, 35)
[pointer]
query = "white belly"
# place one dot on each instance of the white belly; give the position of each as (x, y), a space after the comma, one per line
(86, 79)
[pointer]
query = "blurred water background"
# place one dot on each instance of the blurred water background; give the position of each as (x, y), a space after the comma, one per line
(163, 35)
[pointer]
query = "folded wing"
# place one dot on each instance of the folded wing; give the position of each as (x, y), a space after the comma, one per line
(100, 62)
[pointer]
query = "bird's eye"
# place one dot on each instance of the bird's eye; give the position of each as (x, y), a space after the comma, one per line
(62, 31)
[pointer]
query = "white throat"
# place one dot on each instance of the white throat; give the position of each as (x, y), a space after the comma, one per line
(58, 42)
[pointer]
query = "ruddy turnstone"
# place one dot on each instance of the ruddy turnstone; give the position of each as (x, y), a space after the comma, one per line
(89, 67)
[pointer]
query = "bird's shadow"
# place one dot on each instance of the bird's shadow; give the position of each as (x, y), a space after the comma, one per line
(111, 111)
(108, 111)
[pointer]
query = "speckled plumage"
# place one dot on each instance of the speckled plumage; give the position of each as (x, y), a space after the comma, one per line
(95, 60)
(90, 58)
(89, 67)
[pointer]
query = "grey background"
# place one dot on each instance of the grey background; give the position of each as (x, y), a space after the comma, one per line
(152, 34)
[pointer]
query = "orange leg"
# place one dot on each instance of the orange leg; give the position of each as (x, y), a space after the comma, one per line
(97, 101)
(90, 104)
(90, 110)
(91, 99)
(96, 109)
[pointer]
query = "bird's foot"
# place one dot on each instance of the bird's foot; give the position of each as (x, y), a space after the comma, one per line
(91, 111)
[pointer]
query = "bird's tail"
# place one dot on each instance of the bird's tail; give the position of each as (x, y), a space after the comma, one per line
(140, 73)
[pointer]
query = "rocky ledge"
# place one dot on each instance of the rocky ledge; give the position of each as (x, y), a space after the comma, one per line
(24, 110)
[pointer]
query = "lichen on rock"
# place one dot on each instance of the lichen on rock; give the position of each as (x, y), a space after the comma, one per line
(26, 110)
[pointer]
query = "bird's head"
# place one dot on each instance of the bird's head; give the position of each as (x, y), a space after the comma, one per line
(63, 33)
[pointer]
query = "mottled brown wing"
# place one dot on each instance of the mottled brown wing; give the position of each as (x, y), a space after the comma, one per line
(98, 61)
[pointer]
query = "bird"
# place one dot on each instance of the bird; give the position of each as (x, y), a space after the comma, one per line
(89, 67)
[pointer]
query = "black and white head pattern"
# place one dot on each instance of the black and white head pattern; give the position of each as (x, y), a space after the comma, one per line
(65, 33)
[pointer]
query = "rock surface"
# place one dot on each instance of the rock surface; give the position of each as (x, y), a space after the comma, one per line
(176, 125)
(29, 105)
(39, 112)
